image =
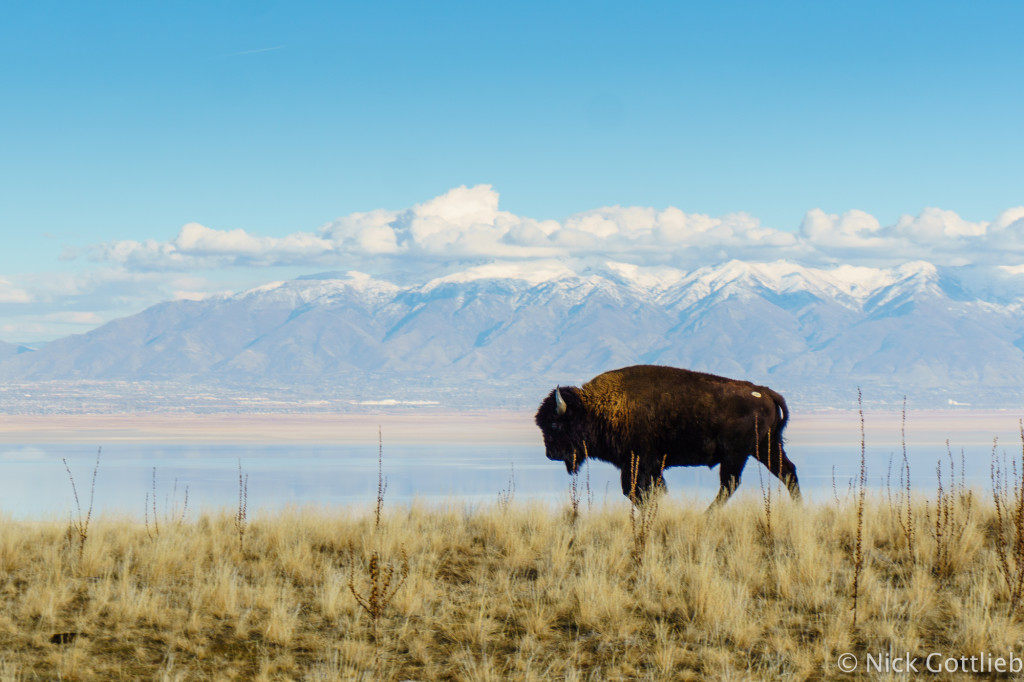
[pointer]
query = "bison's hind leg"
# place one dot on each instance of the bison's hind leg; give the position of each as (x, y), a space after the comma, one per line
(789, 478)
(729, 477)
(774, 458)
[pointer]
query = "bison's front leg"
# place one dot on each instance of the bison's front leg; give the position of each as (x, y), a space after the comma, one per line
(646, 481)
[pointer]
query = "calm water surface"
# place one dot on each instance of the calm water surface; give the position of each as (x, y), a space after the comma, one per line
(36, 484)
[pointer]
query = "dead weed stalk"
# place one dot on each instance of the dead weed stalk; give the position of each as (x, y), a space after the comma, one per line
(80, 527)
(643, 508)
(574, 491)
(766, 490)
(900, 504)
(242, 513)
(171, 512)
(1008, 496)
(507, 495)
(953, 506)
(858, 549)
(384, 578)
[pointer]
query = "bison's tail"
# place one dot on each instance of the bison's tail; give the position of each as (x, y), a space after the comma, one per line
(780, 405)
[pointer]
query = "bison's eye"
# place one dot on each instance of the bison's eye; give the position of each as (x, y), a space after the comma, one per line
(555, 426)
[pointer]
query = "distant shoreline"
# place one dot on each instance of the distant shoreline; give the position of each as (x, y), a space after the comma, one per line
(824, 427)
(412, 427)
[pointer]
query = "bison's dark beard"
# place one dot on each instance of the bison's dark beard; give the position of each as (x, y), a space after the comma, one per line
(572, 460)
(573, 464)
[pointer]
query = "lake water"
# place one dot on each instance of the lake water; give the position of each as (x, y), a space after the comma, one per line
(472, 465)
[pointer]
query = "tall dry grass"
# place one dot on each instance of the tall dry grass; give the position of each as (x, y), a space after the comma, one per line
(502, 592)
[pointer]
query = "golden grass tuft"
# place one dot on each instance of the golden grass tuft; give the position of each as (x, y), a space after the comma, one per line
(508, 591)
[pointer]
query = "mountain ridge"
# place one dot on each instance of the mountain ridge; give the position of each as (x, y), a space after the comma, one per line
(499, 333)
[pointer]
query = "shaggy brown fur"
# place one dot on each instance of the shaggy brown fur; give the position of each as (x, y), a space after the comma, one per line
(663, 413)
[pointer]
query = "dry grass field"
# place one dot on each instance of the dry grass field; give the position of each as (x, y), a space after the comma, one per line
(762, 589)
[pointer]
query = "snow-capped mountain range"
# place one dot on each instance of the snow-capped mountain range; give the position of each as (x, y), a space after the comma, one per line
(502, 334)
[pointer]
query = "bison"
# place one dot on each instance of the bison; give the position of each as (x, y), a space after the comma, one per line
(665, 417)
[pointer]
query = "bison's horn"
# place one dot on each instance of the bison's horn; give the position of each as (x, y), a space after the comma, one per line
(559, 403)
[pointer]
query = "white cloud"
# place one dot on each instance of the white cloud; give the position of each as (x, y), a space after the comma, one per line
(935, 224)
(199, 240)
(393, 402)
(10, 293)
(466, 224)
(199, 247)
(463, 224)
(852, 227)
(939, 236)
(465, 231)
(462, 207)
(82, 318)
(65, 303)
(1012, 218)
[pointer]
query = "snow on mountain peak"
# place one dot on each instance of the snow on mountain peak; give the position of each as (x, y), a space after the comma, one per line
(531, 272)
(262, 289)
(508, 327)
(649, 278)
(849, 285)
(325, 285)
(917, 268)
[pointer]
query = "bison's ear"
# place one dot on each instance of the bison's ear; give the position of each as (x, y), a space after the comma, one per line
(559, 403)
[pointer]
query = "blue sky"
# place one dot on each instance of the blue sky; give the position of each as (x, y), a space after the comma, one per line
(268, 124)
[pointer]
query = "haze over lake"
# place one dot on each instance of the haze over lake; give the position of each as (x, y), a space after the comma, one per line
(434, 458)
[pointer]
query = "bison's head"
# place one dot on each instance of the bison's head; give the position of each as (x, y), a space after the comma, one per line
(559, 418)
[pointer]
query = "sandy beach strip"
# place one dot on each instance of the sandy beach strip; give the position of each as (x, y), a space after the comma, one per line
(447, 427)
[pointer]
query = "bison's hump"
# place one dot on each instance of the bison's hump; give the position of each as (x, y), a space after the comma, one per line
(623, 396)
